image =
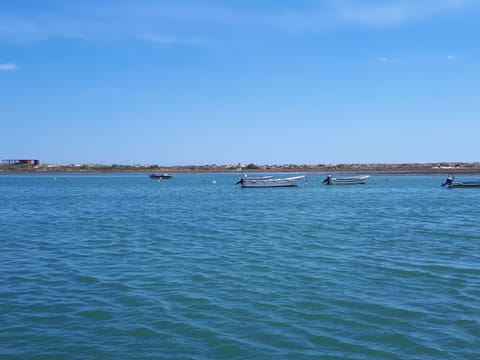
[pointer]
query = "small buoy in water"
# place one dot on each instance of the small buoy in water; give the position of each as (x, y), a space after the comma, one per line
(214, 182)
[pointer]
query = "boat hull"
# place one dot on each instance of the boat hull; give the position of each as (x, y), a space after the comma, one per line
(161, 176)
(354, 180)
(464, 185)
(269, 183)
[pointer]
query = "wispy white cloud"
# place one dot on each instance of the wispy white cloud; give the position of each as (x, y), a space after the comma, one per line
(312, 16)
(7, 67)
(394, 12)
(104, 22)
(418, 58)
(41, 27)
(193, 23)
(162, 39)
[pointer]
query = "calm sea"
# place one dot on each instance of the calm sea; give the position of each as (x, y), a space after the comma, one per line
(124, 267)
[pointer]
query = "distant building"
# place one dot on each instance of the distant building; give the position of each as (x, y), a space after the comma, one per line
(20, 162)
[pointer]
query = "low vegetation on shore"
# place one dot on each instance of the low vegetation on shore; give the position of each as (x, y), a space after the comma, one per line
(443, 167)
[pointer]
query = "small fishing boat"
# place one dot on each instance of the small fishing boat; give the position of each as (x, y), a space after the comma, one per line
(246, 178)
(269, 181)
(350, 180)
(160, 176)
(451, 183)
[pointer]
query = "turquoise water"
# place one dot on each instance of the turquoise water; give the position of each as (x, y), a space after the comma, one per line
(124, 267)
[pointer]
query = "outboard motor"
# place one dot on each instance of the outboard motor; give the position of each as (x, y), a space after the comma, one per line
(449, 181)
(242, 180)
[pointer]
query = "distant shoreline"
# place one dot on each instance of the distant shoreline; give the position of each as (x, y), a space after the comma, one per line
(429, 168)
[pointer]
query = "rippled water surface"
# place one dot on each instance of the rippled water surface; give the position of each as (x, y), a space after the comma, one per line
(124, 267)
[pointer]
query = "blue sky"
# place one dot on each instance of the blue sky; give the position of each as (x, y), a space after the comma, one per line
(221, 82)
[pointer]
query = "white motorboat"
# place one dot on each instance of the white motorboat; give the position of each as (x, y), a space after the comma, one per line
(451, 183)
(350, 180)
(263, 182)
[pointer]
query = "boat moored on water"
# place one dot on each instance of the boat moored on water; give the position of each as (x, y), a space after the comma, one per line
(451, 183)
(247, 178)
(160, 176)
(269, 181)
(350, 180)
